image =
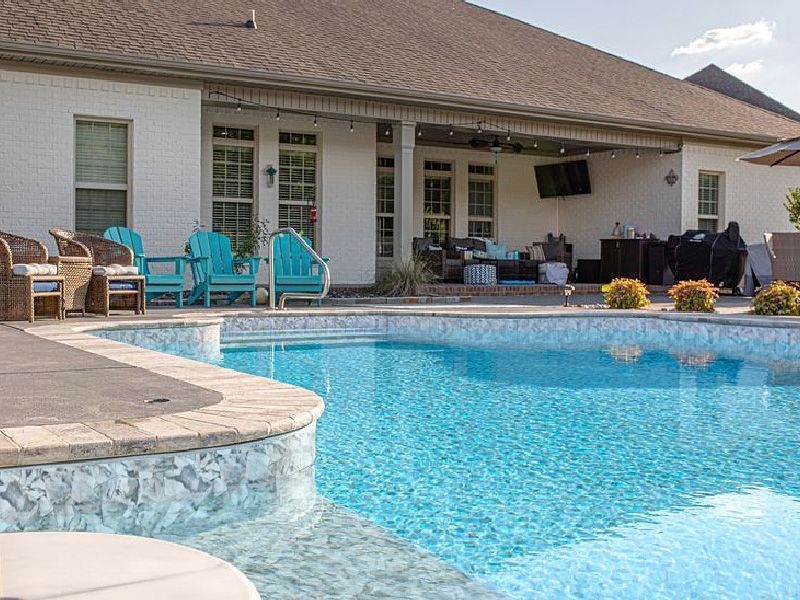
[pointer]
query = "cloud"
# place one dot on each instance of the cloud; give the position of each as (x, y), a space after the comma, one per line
(742, 69)
(759, 32)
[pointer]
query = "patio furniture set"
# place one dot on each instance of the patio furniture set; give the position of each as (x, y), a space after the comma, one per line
(475, 261)
(94, 274)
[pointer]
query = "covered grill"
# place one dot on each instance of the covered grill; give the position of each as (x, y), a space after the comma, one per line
(719, 257)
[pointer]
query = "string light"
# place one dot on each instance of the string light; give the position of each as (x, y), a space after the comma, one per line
(588, 153)
(481, 124)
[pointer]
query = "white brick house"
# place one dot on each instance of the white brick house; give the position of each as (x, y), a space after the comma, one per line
(192, 135)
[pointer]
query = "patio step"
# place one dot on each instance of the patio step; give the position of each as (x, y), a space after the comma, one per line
(539, 289)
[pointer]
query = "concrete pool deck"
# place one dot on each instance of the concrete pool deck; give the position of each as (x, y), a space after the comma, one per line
(73, 396)
(110, 380)
(53, 384)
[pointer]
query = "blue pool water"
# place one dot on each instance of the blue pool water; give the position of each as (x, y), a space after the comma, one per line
(600, 471)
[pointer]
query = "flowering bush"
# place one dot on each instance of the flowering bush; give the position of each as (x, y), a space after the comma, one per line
(779, 299)
(694, 296)
(626, 293)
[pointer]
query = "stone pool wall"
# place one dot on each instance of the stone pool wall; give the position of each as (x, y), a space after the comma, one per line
(771, 339)
(201, 341)
(149, 495)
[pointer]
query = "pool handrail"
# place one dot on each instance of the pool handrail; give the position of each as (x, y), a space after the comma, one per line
(326, 273)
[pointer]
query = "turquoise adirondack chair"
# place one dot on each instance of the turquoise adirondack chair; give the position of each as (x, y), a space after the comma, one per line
(156, 284)
(214, 269)
(295, 270)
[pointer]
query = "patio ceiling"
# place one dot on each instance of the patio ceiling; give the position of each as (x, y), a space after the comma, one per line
(478, 135)
(510, 142)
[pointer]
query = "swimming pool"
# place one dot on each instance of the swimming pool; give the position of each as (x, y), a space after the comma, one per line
(590, 460)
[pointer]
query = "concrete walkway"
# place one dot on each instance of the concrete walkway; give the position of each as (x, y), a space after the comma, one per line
(46, 383)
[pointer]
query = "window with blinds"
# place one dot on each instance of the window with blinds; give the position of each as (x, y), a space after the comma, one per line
(101, 175)
(480, 201)
(437, 201)
(708, 201)
(233, 182)
(297, 182)
(384, 209)
(232, 219)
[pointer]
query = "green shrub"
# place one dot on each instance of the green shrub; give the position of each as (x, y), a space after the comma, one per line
(792, 205)
(694, 296)
(779, 299)
(626, 293)
(406, 278)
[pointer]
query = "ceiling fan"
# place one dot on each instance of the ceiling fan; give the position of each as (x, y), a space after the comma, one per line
(496, 146)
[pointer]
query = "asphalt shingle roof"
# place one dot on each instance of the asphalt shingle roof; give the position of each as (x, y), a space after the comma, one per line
(719, 80)
(447, 48)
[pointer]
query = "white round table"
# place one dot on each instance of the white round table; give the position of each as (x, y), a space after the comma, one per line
(101, 566)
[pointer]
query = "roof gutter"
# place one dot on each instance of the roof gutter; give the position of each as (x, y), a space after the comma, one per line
(232, 75)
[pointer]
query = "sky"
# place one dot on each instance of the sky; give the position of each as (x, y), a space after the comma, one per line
(756, 41)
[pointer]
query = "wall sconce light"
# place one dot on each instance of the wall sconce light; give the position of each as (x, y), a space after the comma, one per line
(269, 172)
(671, 178)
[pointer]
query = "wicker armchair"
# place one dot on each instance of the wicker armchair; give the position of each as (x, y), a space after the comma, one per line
(90, 251)
(784, 254)
(19, 297)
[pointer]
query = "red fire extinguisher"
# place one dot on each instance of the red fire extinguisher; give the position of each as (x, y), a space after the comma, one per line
(313, 214)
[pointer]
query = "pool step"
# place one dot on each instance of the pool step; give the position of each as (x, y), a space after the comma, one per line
(308, 336)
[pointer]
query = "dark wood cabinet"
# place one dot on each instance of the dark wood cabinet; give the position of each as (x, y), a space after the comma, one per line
(634, 259)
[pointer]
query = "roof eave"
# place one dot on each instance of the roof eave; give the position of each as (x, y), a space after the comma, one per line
(232, 75)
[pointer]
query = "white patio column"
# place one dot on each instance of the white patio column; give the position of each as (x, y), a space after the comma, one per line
(404, 141)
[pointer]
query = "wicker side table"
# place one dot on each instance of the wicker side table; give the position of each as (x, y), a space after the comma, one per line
(77, 272)
(100, 294)
(20, 302)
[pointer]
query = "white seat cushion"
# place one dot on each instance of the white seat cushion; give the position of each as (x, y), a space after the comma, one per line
(115, 269)
(34, 269)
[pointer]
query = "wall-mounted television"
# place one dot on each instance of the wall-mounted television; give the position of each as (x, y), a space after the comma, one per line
(563, 179)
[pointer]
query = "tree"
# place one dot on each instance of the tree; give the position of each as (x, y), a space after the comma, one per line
(793, 206)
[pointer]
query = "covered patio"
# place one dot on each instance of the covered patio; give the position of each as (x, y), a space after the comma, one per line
(443, 177)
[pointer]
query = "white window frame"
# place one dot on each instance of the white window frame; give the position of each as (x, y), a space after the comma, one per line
(383, 170)
(439, 174)
(91, 185)
(493, 180)
(701, 216)
(224, 141)
(317, 195)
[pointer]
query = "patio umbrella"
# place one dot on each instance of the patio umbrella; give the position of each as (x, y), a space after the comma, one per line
(785, 154)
